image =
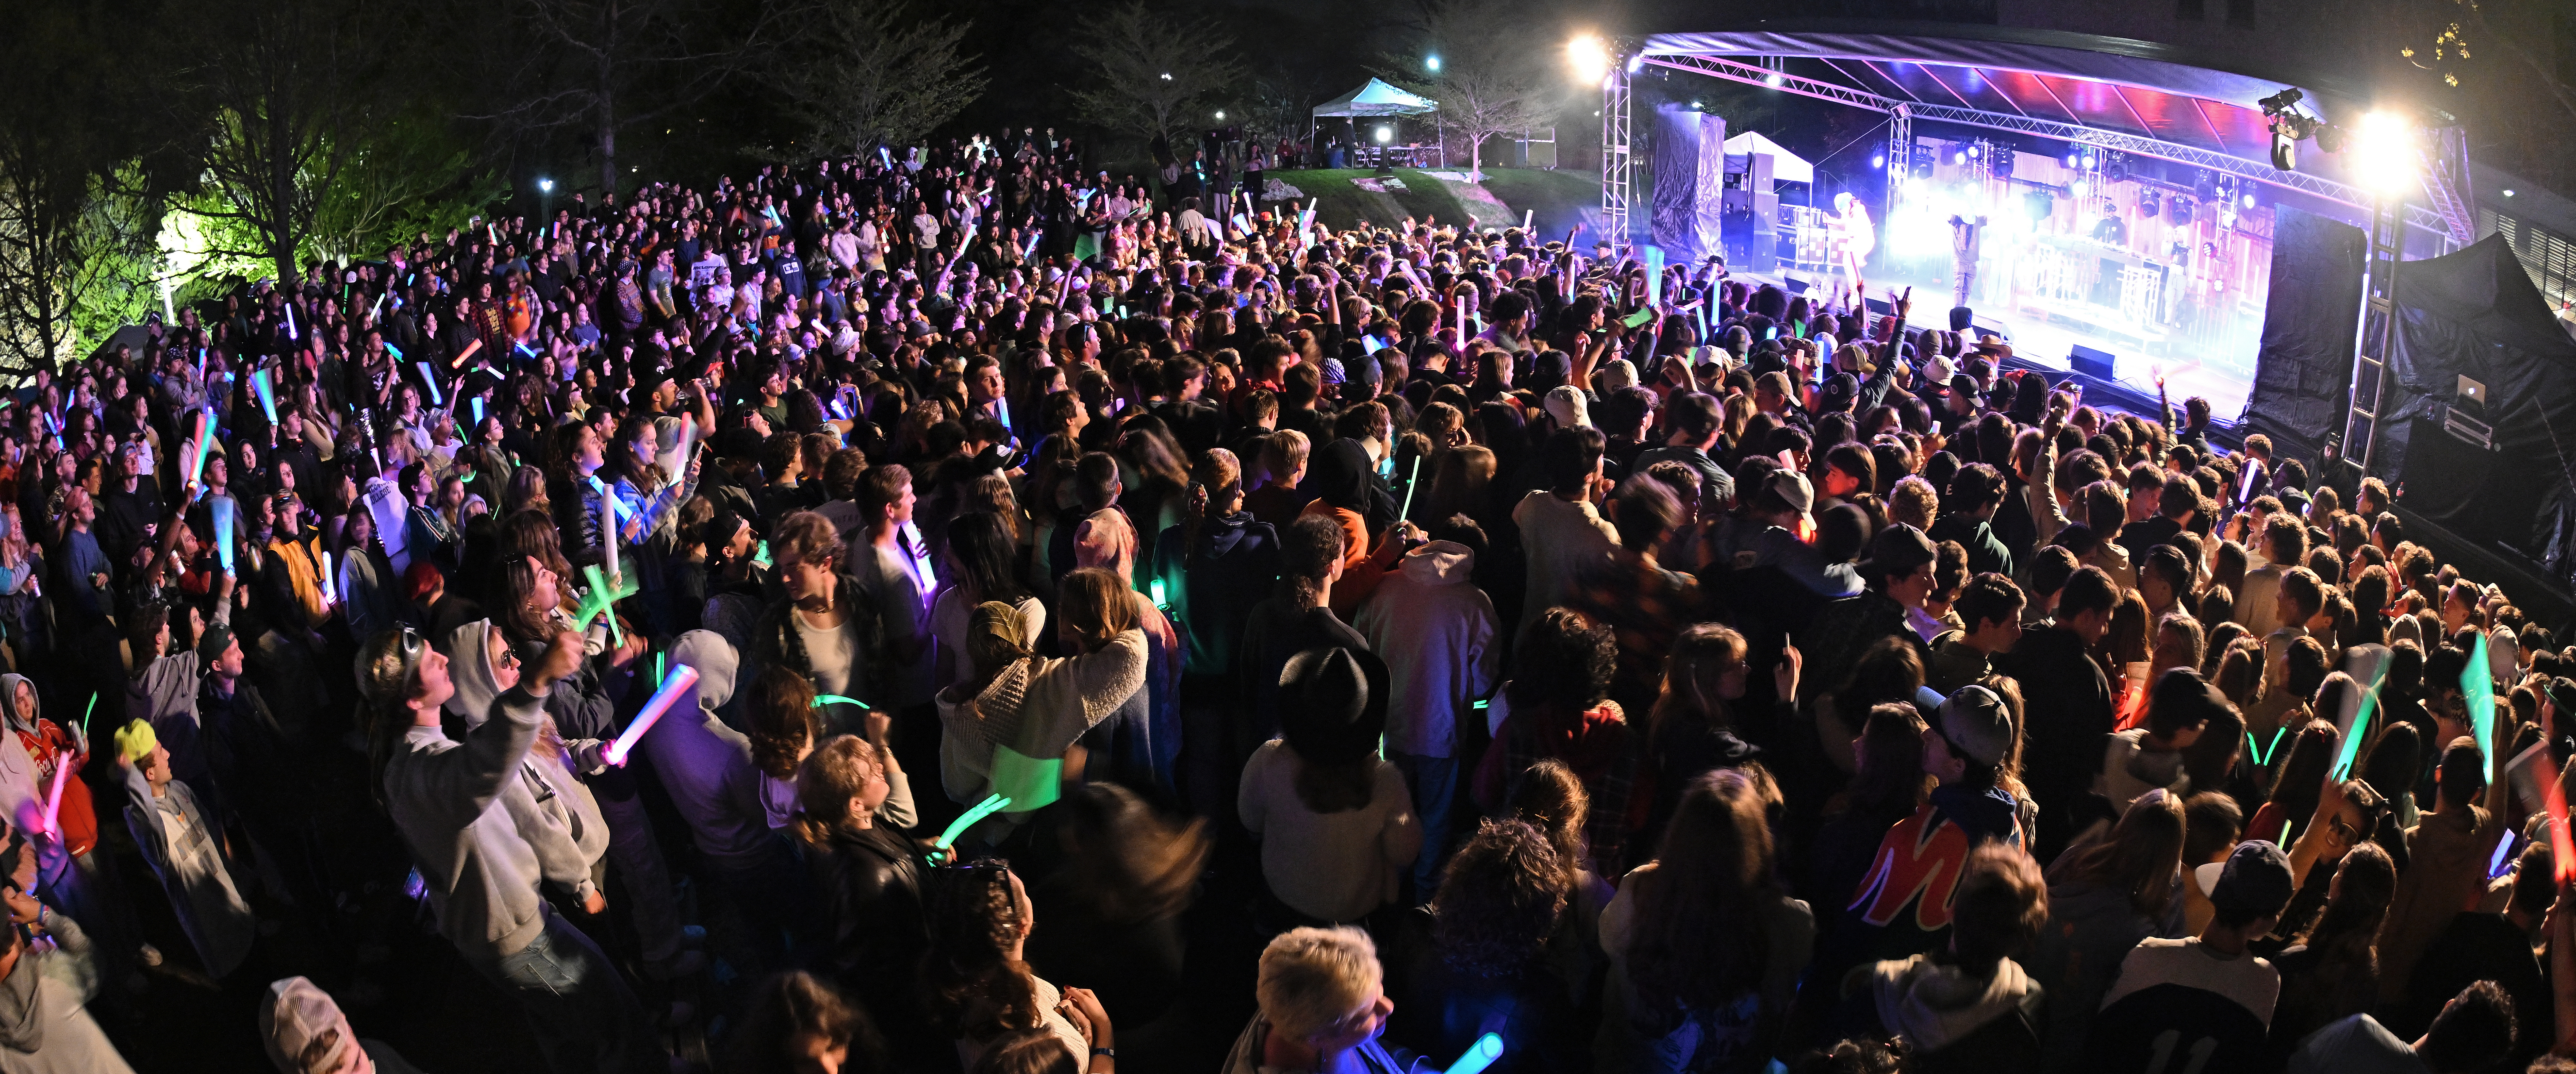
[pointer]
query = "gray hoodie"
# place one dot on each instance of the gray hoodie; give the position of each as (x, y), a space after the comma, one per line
(553, 811)
(445, 797)
(706, 765)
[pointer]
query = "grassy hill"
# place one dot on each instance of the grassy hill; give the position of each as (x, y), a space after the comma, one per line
(1558, 197)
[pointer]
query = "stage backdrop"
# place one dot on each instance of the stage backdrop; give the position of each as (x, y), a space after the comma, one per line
(2303, 372)
(2475, 314)
(1689, 166)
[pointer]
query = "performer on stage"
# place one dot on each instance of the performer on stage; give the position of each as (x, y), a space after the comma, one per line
(1965, 235)
(1853, 237)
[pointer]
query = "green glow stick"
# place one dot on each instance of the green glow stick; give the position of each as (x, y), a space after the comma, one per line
(86, 713)
(1410, 483)
(2260, 752)
(1029, 782)
(657, 668)
(821, 700)
(991, 804)
(2360, 723)
(2477, 686)
(599, 602)
(760, 555)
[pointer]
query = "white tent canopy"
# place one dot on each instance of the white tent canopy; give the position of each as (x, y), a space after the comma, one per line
(1376, 99)
(1786, 167)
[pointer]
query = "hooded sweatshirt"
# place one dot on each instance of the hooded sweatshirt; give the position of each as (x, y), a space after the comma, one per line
(43, 1027)
(1936, 1005)
(181, 848)
(706, 766)
(25, 775)
(554, 811)
(1439, 637)
(165, 692)
(2447, 854)
(1039, 706)
(1214, 586)
(445, 798)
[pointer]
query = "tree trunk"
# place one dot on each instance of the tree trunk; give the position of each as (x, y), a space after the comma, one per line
(607, 137)
(1475, 159)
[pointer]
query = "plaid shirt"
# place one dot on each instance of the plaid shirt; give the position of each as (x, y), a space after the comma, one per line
(1645, 607)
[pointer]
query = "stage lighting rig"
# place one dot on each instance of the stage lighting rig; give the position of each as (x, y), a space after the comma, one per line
(2290, 127)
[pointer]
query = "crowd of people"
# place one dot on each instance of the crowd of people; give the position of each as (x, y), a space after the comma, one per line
(920, 612)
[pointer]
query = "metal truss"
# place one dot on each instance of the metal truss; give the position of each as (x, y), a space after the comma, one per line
(2117, 141)
(1618, 167)
(2378, 327)
(2446, 183)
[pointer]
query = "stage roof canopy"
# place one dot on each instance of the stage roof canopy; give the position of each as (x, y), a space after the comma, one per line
(1786, 167)
(1376, 99)
(2139, 97)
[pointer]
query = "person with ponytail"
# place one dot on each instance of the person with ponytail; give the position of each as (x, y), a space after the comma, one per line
(981, 991)
(854, 796)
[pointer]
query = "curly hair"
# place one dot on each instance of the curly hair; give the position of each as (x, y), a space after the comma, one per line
(1499, 900)
(973, 920)
(1565, 661)
(782, 720)
(808, 538)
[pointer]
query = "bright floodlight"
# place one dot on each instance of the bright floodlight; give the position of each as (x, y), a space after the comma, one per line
(1431, 63)
(546, 185)
(2383, 153)
(1385, 135)
(1591, 57)
(1220, 116)
(1775, 81)
(1167, 76)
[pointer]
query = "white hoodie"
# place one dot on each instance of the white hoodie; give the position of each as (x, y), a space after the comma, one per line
(1439, 637)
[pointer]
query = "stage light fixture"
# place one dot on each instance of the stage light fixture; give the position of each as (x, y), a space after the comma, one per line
(2248, 201)
(1775, 81)
(1590, 57)
(2285, 146)
(1976, 152)
(1880, 161)
(1385, 135)
(2383, 153)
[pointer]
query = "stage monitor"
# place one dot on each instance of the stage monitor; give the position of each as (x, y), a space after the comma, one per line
(2096, 364)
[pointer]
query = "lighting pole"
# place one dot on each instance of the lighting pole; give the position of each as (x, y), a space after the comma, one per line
(2384, 156)
(546, 196)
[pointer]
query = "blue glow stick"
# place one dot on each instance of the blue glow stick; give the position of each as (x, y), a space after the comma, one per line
(435, 399)
(821, 700)
(394, 350)
(681, 680)
(1486, 1049)
(478, 411)
(267, 397)
(223, 509)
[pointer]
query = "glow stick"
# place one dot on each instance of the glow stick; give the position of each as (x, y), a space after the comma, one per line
(54, 795)
(1155, 587)
(328, 593)
(1479, 1055)
(2479, 690)
(1409, 485)
(87, 713)
(267, 395)
(396, 352)
(681, 680)
(1654, 275)
(760, 555)
(435, 399)
(608, 536)
(1528, 217)
(991, 804)
(601, 602)
(821, 700)
(478, 412)
(2562, 854)
(2246, 495)
(471, 346)
(224, 533)
(205, 436)
(2360, 723)
(291, 331)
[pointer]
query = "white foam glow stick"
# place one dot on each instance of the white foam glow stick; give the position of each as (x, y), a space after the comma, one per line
(682, 679)
(329, 591)
(431, 379)
(291, 331)
(607, 523)
(223, 509)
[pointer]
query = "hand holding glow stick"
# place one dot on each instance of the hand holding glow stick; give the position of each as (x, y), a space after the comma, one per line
(267, 395)
(51, 824)
(608, 535)
(435, 398)
(682, 679)
(1479, 1055)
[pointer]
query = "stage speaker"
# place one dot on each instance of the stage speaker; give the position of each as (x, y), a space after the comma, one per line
(2092, 363)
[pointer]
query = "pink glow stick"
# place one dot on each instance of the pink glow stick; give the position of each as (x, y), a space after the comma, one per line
(683, 679)
(54, 796)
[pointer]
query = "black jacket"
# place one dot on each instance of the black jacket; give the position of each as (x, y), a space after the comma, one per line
(872, 902)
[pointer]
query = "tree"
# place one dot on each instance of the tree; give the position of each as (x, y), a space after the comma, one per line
(605, 66)
(75, 227)
(1493, 78)
(1153, 74)
(288, 90)
(866, 74)
(409, 175)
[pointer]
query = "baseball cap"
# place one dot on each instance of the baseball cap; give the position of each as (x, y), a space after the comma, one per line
(1793, 487)
(1777, 381)
(1565, 404)
(2255, 877)
(1619, 373)
(1976, 724)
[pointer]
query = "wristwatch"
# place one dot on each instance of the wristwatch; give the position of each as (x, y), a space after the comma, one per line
(1110, 1052)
